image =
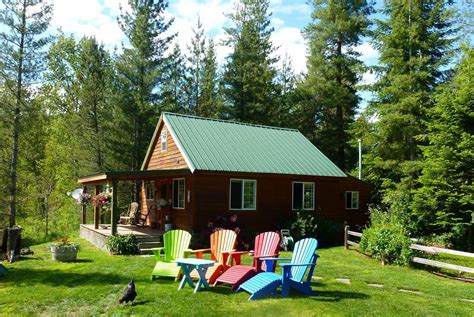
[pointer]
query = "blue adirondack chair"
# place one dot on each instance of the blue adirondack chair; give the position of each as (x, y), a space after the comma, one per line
(302, 262)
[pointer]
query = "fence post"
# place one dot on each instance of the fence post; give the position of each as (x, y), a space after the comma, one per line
(346, 228)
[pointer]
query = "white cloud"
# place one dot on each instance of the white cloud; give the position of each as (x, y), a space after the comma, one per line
(89, 18)
(369, 54)
(368, 78)
(290, 41)
(277, 6)
(277, 22)
(212, 14)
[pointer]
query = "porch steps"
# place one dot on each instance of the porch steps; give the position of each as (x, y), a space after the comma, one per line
(145, 247)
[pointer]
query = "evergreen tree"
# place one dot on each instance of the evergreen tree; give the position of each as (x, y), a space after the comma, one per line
(414, 43)
(287, 82)
(173, 89)
(211, 101)
(445, 201)
(140, 75)
(21, 60)
(93, 79)
(249, 75)
(333, 73)
(197, 53)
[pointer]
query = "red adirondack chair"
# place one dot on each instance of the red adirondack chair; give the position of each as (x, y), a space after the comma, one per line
(222, 242)
(266, 245)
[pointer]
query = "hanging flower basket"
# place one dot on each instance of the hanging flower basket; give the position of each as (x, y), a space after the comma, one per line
(84, 199)
(102, 200)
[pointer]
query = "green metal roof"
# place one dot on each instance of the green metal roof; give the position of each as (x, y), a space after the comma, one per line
(218, 145)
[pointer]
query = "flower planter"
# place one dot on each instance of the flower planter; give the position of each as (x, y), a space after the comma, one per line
(64, 254)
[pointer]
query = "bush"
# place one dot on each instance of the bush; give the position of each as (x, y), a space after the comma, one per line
(306, 224)
(122, 244)
(386, 239)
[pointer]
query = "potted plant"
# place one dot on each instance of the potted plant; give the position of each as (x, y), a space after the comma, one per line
(64, 250)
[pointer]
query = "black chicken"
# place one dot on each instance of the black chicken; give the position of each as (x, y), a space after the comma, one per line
(129, 293)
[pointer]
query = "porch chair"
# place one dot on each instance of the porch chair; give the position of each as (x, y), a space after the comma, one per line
(131, 216)
(176, 244)
(144, 216)
(303, 261)
(222, 241)
(266, 245)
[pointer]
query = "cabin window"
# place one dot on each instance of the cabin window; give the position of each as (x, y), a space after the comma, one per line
(243, 194)
(178, 193)
(164, 141)
(303, 196)
(352, 200)
(150, 190)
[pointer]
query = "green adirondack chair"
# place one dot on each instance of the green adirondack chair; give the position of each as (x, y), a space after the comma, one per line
(176, 244)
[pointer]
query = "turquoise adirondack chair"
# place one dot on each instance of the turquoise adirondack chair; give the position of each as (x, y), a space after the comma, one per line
(176, 244)
(303, 261)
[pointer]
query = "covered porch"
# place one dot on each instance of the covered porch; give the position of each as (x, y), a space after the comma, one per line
(147, 237)
(92, 184)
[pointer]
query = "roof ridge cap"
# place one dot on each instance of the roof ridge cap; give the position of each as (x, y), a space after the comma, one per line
(229, 121)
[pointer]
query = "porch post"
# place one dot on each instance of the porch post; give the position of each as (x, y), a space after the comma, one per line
(84, 207)
(115, 211)
(96, 210)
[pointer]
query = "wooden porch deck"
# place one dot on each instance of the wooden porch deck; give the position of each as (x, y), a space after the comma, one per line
(146, 236)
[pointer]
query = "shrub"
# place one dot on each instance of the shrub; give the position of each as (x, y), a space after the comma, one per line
(122, 244)
(386, 239)
(64, 243)
(307, 224)
(304, 225)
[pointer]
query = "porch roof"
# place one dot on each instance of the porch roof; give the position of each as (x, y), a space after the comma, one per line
(105, 177)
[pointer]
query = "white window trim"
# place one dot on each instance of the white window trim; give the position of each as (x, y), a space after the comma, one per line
(161, 141)
(358, 199)
(177, 179)
(254, 194)
(293, 195)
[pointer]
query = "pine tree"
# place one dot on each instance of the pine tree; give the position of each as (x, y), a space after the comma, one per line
(173, 90)
(445, 201)
(211, 101)
(287, 82)
(21, 57)
(414, 43)
(333, 73)
(140, 75)
(93, 78)
(197, 53)
(249, 75)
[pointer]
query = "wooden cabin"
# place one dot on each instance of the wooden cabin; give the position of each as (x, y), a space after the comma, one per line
(262, 174)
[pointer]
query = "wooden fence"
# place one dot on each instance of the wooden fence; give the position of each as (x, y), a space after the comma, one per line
(430, 250)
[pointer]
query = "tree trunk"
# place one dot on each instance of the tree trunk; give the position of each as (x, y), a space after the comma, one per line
(16, 121)
(13, 244)
(339, 110)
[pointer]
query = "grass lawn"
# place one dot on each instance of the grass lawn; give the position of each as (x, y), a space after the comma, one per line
(38, 286)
